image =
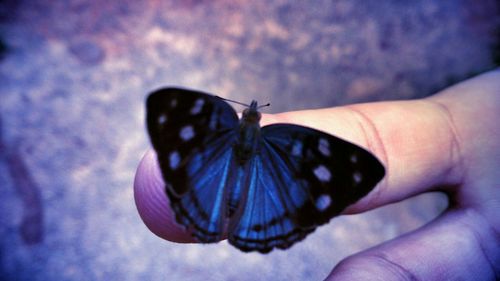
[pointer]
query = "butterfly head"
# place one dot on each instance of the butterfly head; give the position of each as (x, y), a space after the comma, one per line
(251, 114)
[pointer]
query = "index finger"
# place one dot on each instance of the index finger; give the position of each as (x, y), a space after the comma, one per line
(415, 140)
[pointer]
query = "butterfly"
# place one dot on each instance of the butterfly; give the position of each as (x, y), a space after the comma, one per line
(264, 188)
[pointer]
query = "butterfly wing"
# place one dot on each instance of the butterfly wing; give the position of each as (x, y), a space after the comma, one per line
(300, 179)
(193, 133)
(265, 219)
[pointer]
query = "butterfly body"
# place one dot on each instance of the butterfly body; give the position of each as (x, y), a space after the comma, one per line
(249, 134)
(265, 187)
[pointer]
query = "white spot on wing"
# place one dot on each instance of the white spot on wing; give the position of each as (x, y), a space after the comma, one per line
(186, 133)
(322, 173)
(323, 202)
(357, 177)
(174, 160)
(324, 147)
(162, 119)
(354, 158)
(198, 105)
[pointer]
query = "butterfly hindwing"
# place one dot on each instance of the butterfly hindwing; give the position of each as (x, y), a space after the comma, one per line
(265, 219)
(202, 209)
(190, 131)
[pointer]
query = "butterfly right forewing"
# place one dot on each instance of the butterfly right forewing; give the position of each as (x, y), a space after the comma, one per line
(337, 173)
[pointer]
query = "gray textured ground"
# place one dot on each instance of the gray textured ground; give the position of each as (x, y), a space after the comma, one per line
(74, 74)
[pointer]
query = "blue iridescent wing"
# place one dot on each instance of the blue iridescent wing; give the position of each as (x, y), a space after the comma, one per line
(300, 179)
(192, 134)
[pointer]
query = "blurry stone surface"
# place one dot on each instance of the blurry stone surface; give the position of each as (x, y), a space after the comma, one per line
(74, 75)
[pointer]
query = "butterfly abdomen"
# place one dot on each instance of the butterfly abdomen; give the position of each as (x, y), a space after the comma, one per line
(248, 142)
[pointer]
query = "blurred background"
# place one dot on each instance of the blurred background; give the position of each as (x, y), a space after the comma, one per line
(74, 75)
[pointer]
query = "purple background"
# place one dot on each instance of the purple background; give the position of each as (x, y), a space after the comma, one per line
(74, 75)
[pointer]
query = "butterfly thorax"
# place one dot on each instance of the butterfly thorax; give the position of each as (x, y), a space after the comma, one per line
(249, 134)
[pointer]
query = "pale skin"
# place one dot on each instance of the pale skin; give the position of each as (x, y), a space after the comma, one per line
(448, 142)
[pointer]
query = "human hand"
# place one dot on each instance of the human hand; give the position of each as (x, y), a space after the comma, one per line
(448, 142)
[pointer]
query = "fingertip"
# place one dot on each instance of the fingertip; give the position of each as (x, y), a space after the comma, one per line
(152, 202)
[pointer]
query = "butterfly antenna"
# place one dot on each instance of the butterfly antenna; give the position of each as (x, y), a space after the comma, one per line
(237, 102)
(264, 105)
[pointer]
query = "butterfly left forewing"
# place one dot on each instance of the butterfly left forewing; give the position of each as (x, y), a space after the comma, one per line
(192, 133)
(182, 123)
